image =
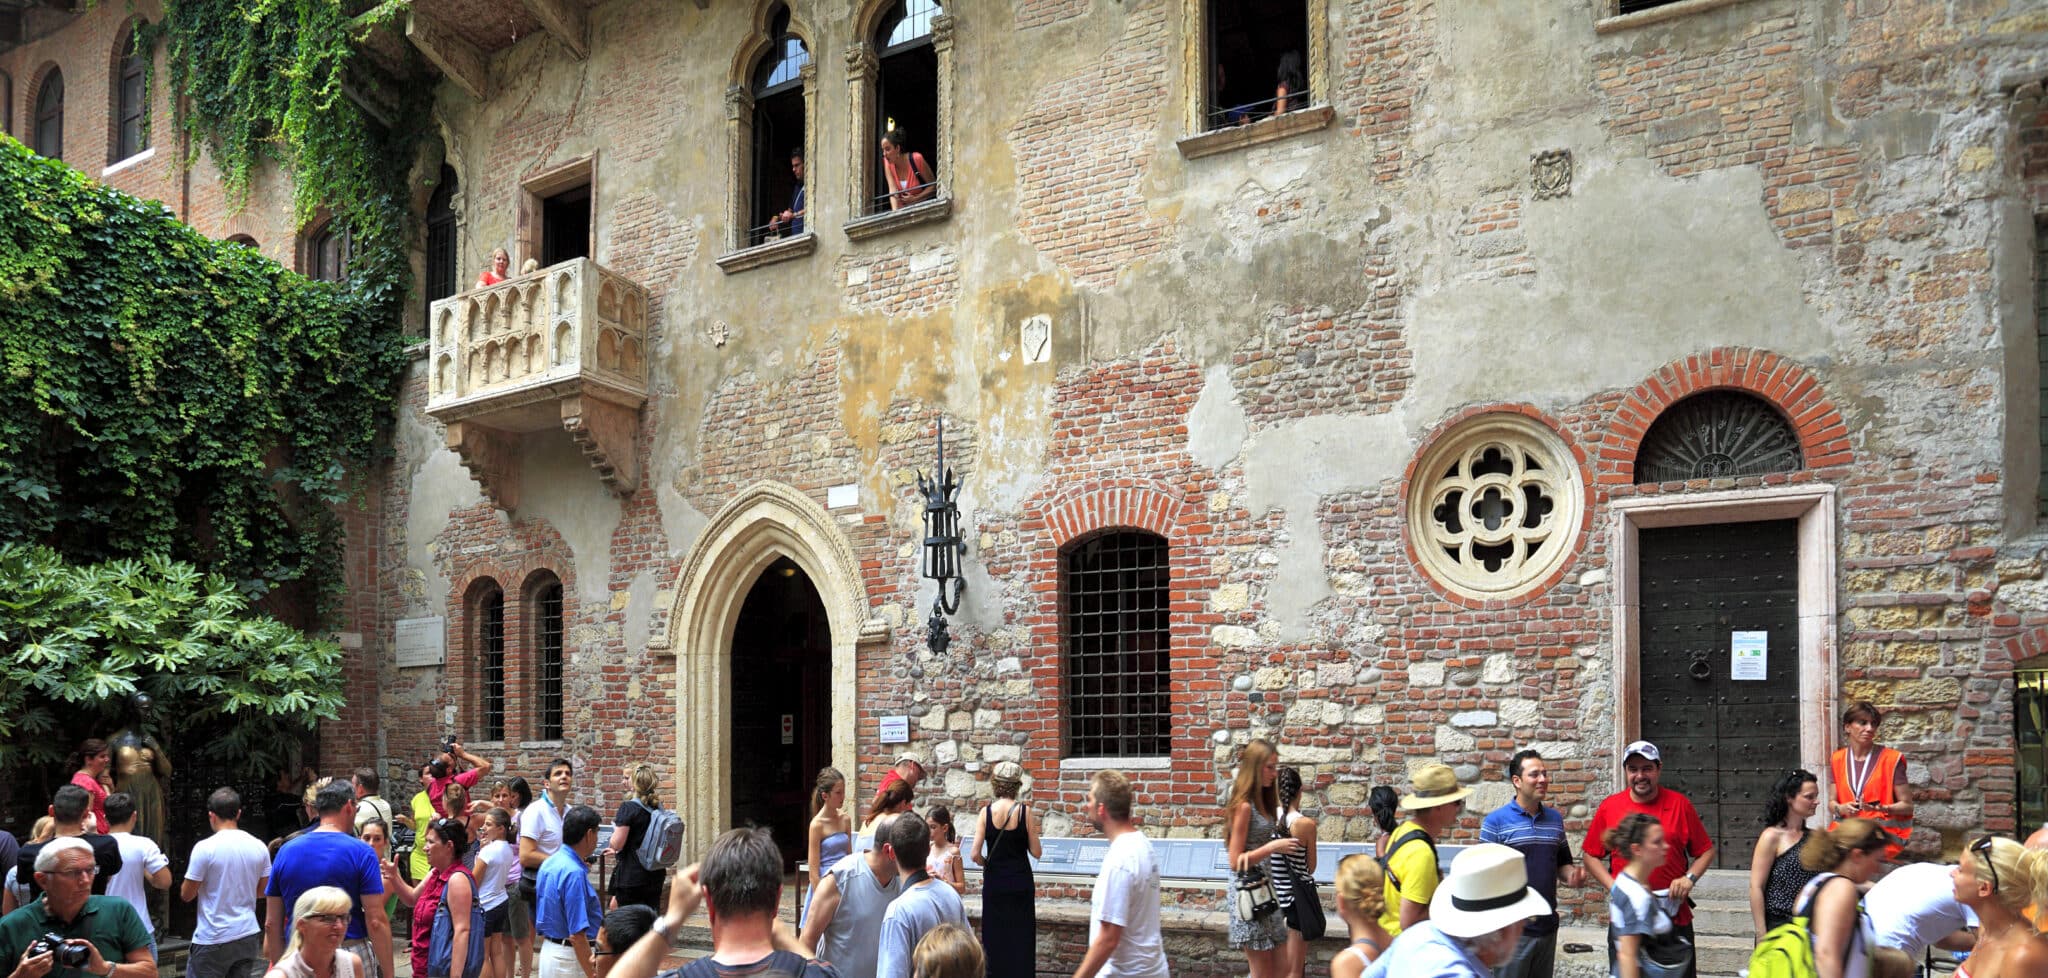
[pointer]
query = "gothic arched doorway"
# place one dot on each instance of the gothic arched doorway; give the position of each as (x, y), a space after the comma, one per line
(781, 704)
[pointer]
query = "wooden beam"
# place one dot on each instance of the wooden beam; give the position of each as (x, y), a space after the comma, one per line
(566, 20)
(457, 58)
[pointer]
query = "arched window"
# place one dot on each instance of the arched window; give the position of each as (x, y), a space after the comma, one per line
(243, 239)
(489, 615)
(50, 116)
(546, 618)
(906, 95)
(778, 136)
(1115, 637)
(6, 103)
(441, 272)
(131, 101)
(327, 253)
(1718, 434)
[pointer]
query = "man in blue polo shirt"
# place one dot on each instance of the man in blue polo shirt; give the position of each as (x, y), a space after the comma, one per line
(1537, 831)
(567, 914)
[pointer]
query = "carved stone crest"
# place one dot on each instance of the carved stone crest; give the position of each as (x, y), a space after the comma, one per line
(1551, 171)
(717, 332)
(1036, 339)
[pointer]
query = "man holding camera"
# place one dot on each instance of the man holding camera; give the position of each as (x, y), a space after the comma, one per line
(441, 772)
(70, 933)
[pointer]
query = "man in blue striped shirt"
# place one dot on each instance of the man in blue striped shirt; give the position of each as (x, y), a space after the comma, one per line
(1537, 832)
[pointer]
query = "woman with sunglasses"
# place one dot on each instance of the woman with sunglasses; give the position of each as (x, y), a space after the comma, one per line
(1998, 878)
(447, 879)
(1844, 858)
(319, 922)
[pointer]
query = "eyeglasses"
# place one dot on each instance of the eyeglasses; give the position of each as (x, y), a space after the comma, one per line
(81, 873)
(330, 919)
(602, 953)
(1983, 846)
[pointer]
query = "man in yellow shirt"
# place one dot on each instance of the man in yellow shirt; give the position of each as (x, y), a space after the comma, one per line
(1432, 804)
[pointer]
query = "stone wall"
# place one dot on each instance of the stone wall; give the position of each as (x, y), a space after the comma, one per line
(1830, 207)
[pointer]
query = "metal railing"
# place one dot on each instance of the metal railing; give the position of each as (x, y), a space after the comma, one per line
(879, 203)
(761, 234)
(1223, 117)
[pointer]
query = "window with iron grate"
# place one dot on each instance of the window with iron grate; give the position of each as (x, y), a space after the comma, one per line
(547, 603)
(2041, 349)
(490, 640)
(1115, 629)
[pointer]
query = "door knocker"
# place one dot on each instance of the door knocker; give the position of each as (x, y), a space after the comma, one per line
(1700, 669)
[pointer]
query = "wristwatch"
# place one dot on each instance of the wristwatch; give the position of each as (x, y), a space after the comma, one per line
(661, 926)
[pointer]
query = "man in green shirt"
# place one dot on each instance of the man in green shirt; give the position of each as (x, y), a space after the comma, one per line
(115, 938)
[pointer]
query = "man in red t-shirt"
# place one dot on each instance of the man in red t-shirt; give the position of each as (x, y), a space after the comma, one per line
(439, 775)
(1690, 850)
(908, 770)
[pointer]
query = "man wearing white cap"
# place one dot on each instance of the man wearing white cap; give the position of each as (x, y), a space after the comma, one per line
(909, 769)
(1475, 919)
(1433, 802)
(1684, 834)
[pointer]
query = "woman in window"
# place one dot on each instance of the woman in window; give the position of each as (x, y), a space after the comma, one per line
(909, 176)
(1289, 90)
(1254, 839)
(1005, 842)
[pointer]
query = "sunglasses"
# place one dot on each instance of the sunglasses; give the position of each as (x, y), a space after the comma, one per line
(330, 919)
(1983, 846)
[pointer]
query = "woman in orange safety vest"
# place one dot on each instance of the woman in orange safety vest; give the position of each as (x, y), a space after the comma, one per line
(1870, 781)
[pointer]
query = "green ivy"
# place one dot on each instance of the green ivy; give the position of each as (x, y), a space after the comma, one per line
(268, 81)
(167, 394)
(83, 637)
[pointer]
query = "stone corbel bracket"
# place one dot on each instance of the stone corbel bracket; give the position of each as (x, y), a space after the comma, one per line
(605, 432)
(492, 458)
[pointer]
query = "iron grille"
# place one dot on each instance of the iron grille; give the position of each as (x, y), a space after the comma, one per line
(548, 601)
(1116, 602)
(1717, 434)
(491, 641)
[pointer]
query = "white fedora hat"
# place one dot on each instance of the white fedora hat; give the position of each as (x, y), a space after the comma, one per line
(1488, 890)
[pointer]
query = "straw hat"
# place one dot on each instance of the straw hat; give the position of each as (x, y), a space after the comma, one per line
(1488, 890)
(1433, 784)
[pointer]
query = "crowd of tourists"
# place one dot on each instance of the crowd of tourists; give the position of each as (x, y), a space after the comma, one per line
(497, 881)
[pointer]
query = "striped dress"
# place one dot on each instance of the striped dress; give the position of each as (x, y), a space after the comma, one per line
(1288, 864)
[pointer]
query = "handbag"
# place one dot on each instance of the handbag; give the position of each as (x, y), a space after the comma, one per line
(441, 942)
(1308, 907)
(1664, 956)
(1253, 896)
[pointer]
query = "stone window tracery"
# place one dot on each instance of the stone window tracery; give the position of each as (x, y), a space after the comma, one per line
(1494, 507)
(771, 105)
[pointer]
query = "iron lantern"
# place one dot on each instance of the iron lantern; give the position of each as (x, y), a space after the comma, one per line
(943, 547)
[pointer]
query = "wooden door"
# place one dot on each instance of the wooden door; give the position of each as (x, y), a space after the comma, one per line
(1725, 740)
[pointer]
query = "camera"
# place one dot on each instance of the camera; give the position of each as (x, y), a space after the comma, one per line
(448, 744)
(65, 955)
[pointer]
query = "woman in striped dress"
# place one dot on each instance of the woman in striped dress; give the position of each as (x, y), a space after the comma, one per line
(1299, 862)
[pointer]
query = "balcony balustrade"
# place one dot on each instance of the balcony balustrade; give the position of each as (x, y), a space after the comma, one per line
(560, 348)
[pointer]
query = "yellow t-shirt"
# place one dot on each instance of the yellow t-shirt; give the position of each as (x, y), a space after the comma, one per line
(422, 813)
(1415, 865)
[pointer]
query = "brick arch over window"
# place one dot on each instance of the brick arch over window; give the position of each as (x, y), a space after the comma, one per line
(763, 523)
(32, 104)
(127, 95)
(514, 576)
(1088, 509)
(1791, 388)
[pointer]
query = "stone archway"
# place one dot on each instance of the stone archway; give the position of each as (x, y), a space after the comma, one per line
(766, 521)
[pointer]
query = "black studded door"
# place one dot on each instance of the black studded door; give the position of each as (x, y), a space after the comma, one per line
(1725, 740)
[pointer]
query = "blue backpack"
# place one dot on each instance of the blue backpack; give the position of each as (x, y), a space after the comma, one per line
(441, 942)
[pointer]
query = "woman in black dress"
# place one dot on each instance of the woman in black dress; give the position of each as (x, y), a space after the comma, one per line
(633, 883)
(1005, 842)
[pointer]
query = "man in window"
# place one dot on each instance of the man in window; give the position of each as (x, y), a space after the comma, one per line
(791, 221)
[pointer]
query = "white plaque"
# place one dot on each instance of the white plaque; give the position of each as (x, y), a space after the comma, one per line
(422, 641)
(1035, 339)
(895, 730)
(1750, 656)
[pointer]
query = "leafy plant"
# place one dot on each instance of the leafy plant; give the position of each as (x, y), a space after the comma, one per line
(82, 637)
(166, 394)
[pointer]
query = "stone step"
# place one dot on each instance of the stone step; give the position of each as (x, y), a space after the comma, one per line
(1719, 957)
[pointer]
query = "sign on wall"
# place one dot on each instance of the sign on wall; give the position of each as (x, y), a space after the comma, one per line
(1750, 656)
(422, 641)
(895, 730)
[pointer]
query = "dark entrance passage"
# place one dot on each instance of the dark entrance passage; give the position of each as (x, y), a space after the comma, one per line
(781, 705)
(1725, 740)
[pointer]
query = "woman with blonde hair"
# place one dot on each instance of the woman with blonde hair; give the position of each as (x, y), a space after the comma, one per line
(831, 833)
(1842, 936)
(1005, 842)
(319, 922)
(633, 883)
(43, 830)
(1254, 838)
(1361, 895)
(948, 951)
(1999, 879)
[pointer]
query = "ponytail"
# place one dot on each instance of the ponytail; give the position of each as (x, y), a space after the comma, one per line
(1824, 851)
(1385, 803)
(1630, 832)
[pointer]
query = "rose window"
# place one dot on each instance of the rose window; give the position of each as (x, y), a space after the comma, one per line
(1494, 507)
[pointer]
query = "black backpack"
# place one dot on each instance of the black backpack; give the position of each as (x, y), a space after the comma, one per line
(1386, 861)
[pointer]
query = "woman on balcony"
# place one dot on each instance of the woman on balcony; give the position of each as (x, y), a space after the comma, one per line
(501, 267)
